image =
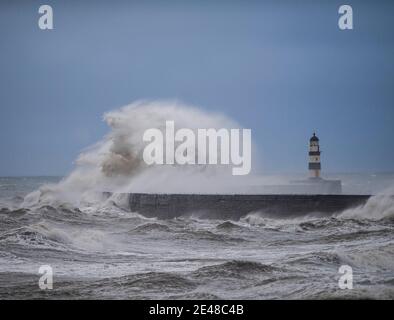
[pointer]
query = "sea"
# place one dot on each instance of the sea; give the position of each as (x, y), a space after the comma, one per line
(101, 250)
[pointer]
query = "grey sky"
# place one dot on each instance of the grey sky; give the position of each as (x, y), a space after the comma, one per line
(281, 68)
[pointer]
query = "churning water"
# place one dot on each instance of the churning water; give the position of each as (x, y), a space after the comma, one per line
(99, 249)
(105, 251)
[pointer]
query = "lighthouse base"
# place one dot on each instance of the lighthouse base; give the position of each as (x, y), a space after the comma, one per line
(307, 186)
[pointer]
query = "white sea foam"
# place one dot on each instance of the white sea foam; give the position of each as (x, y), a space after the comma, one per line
(115, 163)
(377, 207)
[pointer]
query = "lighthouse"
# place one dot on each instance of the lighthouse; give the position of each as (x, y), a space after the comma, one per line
(314, 185)
(314, 157)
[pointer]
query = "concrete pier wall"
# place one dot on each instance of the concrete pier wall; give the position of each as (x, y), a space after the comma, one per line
(167, 206)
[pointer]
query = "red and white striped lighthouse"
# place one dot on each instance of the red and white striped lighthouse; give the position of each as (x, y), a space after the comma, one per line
(314, 157)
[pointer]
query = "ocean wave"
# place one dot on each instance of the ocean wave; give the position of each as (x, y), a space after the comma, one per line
(229, 226)
(361, 259)
(37, 236)
(202, 235)
(150, 227)
(325, 258)
(195, 296)
(149, 285)
(234, 269)
(326, 223)
(15, 212)
(378, 258)
(115, 164)
(377, 208)
(380, 292)
(156, 280)
(355, 236)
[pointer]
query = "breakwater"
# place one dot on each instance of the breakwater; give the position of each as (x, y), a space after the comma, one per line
(226, 206)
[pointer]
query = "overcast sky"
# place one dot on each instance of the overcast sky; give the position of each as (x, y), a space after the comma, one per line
(281, 68)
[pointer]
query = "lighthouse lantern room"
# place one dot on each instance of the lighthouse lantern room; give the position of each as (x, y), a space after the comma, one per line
(314, 157)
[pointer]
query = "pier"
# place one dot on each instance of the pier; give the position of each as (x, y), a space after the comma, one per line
(226, 206)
